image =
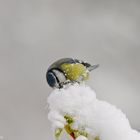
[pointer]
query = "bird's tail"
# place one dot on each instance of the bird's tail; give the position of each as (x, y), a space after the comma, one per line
(90, 68)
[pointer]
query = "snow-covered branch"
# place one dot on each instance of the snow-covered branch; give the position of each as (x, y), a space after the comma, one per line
(76, 110)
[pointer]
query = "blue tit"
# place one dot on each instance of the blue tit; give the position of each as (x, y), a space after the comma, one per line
(68, 70)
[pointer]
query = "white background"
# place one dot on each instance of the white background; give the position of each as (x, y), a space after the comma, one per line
(35, 33)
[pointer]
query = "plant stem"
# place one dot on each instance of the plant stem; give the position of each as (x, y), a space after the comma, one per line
(72, 135)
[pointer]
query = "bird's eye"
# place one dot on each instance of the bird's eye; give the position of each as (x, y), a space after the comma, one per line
(51, 79)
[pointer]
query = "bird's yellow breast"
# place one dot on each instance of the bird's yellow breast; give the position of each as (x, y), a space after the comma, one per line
(74, 71)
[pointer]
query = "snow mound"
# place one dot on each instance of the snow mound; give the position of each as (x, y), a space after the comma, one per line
(98, 118)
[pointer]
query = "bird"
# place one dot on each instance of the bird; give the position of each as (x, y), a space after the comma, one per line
(68, 70)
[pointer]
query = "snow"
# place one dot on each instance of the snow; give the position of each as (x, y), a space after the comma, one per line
(81, 138)
(98, 118)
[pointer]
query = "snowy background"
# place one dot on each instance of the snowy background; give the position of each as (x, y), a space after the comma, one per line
(34, 33)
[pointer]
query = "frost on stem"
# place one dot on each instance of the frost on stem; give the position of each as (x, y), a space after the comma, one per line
(58, 132)
(81, 138)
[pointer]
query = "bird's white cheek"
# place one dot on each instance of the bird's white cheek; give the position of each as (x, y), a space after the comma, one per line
(60, 76)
